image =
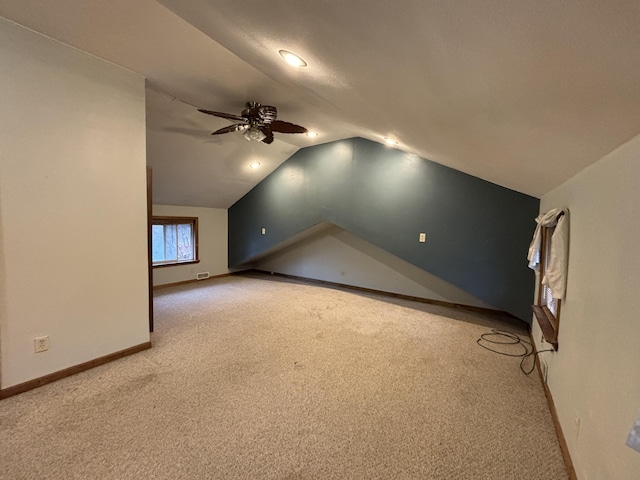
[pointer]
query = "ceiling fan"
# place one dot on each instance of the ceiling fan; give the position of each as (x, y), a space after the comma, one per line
(258, 122)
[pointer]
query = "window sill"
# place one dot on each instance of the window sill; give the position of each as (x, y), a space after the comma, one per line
(547, 323)
(173, 264)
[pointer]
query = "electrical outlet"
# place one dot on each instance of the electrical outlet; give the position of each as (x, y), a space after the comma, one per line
(264, 231)
(423, 238)
(41, 344)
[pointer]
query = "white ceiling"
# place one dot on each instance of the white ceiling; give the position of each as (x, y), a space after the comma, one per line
(524, 94)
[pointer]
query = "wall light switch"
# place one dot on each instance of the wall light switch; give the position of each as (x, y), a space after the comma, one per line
(633, 440)
(264, 231)
(423, 237)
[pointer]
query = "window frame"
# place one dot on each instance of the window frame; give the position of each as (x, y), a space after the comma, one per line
(168, 220)
(548, 321)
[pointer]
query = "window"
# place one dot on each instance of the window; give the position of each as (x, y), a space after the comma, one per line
(547, 308)
(549, 257)
(174, 240)
(545, 296)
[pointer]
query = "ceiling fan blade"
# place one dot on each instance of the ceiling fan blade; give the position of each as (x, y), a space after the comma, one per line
(268, 135)
(286, 127)
(228, 116)
(230, 129)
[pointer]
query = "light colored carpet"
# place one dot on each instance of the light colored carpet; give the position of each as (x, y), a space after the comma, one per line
(255, 378)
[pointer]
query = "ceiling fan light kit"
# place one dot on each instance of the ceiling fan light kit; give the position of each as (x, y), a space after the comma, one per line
(254, 133)
(257, 121)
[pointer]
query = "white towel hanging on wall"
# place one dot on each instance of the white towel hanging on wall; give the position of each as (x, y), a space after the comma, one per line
(556, 272)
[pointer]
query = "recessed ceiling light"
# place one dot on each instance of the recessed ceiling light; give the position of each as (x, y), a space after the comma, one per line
(390, 141)
(255, 165)
(312, 134)
(292, 59)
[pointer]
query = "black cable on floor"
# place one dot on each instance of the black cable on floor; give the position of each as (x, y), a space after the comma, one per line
(503, 337)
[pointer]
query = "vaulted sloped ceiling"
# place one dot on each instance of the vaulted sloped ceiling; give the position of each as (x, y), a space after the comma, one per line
(523, 94)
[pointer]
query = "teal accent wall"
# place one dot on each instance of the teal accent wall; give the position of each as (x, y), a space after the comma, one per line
(478, 233)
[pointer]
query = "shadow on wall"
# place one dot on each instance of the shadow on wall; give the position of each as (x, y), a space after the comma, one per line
(477, 232)
(327, 252)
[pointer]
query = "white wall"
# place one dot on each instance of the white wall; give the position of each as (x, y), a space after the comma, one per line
(73, 253)
(212, 245)
(595, 375)
(335, 255)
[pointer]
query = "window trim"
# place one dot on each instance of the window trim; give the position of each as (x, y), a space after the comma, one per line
(549, 323)
(168, 220)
